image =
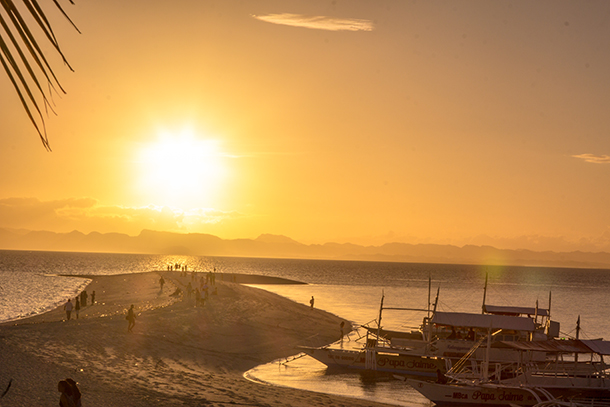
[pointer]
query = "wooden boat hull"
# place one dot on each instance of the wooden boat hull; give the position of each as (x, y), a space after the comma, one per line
(455, 395)
(381, 361)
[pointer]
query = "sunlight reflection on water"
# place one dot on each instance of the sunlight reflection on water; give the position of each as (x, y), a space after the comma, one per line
(41, 293)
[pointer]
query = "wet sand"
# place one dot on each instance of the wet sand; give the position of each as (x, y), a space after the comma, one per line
(177, 355)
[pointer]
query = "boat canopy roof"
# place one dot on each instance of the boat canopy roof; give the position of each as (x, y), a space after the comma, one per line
(506, 310)
(598, 346)
(484, 321)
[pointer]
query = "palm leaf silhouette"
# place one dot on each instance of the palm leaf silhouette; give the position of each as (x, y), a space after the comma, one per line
(23, 60)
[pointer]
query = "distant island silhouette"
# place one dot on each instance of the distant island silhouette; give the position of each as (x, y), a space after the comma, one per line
(277, 246)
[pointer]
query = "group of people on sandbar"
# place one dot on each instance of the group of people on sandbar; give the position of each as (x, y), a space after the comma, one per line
(206, 283)
(202, 292)
(79, 302)
(178, 267)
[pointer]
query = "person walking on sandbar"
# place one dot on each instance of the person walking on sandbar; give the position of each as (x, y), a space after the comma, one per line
(68, 307)
(131, 317)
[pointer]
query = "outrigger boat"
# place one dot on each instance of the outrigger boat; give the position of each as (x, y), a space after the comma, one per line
(566, 379)
(379, 355)
(578, 385)
(438, 340)
(430, 359)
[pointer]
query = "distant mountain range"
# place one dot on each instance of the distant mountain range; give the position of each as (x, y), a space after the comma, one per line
(266, 245)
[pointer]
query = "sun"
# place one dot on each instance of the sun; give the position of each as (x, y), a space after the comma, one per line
(180, 169)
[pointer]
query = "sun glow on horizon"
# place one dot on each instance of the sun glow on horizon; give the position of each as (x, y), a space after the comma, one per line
(180, 169)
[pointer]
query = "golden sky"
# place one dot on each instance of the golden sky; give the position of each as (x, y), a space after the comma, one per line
(482, 122)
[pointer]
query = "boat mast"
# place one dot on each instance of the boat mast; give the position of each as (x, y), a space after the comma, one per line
(577, 337)
(429, 339)
(487, 350)
(429, 288)
(549, 313)
(379, 320)
(484, 293)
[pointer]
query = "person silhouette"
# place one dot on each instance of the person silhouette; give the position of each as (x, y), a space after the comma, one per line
(76, 395)
(68, 307)
(65, 399)
(77, 307)
(131, 317)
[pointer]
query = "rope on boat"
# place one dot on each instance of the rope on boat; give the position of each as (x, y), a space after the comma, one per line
(459, 365)
(294, 357)
(300, 355)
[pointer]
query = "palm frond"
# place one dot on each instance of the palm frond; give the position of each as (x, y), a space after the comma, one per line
(43, 135)
(24, 61)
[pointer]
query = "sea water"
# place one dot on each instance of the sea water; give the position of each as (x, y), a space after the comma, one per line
(32, 282)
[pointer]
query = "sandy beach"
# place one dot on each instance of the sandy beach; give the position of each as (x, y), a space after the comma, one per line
(177, 355)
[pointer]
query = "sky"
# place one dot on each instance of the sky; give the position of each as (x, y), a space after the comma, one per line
(447, 122)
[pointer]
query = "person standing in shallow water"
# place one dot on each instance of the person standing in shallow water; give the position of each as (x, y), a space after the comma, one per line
(311, 302)
(68, 307)
(131, 317)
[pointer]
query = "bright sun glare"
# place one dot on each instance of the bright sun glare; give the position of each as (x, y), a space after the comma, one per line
(180, 169)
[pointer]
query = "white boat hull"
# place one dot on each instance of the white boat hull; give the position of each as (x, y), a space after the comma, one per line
(452, 394)
(381, 361)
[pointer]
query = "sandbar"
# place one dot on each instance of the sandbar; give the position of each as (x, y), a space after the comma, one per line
(178, 354)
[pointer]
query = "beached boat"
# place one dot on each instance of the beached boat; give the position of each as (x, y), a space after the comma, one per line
(379, 359)
(379, 355)
(431, 360)
(577, 373)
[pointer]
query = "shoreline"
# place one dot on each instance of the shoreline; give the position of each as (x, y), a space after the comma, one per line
(177, 355)
(239, 278)
(252, 279)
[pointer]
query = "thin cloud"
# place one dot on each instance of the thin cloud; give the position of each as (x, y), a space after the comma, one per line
(596, 159)
(318, 22)
(87, 215)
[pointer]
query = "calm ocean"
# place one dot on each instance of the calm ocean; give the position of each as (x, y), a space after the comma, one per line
(30, 284)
